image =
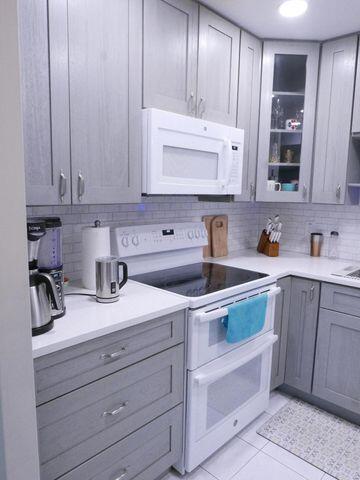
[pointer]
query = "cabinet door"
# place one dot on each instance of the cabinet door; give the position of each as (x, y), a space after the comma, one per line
(45, 102)
(105, 100)
(248, 109)
(218, 69)
(304, 305)
(337, 366)
(336, 88)
(170, 55)
(281, 322)
(287, 116)
(356, 111)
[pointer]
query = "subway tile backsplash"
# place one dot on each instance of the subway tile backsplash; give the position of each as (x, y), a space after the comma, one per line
(245, 223)
(243, 220)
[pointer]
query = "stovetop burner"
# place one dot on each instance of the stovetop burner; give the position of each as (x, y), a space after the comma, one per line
(198, 279)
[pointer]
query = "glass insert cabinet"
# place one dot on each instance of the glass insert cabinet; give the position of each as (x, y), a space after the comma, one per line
(287, 117)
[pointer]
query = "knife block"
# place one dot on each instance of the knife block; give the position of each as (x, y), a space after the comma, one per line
(266, 247)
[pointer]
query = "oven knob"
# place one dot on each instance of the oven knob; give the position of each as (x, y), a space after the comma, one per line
(197, 233)
(125, 242)
(191, 234)
(203, 233)
(135, 241)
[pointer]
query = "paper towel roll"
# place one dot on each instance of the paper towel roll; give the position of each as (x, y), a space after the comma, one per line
(95, 243)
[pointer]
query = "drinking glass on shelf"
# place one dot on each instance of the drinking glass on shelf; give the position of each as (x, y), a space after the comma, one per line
(275, 153)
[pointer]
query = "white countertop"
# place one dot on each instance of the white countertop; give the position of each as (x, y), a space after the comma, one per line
(287, 263)
(86, 319)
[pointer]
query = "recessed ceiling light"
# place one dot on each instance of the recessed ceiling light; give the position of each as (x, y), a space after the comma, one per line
(293, 8)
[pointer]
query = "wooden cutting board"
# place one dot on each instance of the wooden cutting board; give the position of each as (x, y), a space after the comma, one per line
(219, 236)
(207, 219)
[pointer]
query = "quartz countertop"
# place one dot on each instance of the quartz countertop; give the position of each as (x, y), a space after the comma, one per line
(87, 319)
(288, 263)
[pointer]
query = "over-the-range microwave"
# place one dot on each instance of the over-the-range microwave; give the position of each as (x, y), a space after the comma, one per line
(190, 156)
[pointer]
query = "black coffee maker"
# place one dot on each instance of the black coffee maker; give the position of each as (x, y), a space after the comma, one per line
(43, 292)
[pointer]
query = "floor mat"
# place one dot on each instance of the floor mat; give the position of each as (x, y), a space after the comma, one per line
(318, 437)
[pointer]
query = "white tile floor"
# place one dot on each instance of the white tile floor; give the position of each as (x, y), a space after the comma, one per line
(251, 457)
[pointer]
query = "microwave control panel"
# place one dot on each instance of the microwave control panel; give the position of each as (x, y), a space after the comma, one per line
(144, 239)
(235, 171)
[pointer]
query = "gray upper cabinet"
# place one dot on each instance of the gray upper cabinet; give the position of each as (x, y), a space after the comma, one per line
(105, 57)
(337, 367)
(302, 333)
(356, 110)
(287, 117)
(248, 109)
(281, 323)
(333, 126)
(45, 103)
(219, 42)
(170, 55)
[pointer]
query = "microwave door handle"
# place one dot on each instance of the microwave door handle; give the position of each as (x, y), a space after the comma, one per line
(202, 379)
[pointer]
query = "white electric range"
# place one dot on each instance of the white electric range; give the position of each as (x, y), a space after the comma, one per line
(228, 385)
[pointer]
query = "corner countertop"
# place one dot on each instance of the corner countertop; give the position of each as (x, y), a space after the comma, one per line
(288, 263)
(86, 319)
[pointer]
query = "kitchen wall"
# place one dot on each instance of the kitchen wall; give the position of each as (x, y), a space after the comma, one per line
(243, 220)
(300, 220)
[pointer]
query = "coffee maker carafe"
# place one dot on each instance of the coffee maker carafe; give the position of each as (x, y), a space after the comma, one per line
(43, 292)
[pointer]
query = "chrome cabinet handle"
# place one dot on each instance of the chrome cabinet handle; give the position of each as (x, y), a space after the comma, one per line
(338, 191)
(305, 191)
(62, 186)
(312, 292)
(122, 475)
(112, 356)
(203, 104)
(81, 186)
(252, 191)
(115, 412)
(191, 107)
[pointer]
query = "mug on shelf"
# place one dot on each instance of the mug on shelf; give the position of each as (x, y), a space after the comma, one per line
(288, 187)
(273, 186)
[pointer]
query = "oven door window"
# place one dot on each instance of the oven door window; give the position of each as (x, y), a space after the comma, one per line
(240, 386)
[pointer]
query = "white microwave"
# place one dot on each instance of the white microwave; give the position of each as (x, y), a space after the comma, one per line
(190, 156)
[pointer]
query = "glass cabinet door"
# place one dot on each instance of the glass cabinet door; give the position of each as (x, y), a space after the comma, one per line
(287, 121)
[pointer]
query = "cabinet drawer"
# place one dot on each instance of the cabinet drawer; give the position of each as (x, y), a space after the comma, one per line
(77, 426)
(341, 299)
(61, 372)
(143, 455)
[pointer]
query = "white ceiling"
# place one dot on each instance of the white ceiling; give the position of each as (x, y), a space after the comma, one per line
(324, 19)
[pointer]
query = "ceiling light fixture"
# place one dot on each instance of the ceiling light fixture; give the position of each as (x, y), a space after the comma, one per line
(293, 8)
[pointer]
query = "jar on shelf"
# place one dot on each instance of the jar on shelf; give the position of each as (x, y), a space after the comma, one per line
(334, 245)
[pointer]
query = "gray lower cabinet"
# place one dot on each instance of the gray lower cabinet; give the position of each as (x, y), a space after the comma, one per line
(333, 124)
(302, 328)
(218, 66)
(112, 407)
(45, 100)
(337, 366)
(170, 55)
(281, 322)
(105, 58)
(248, 109)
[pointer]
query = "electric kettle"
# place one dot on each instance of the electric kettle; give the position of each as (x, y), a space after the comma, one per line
(43, 292)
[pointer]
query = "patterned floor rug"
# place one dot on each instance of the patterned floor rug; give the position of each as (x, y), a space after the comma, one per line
(324, 440)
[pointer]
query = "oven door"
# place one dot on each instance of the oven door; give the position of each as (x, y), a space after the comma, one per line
(224, 396)
(185, 155)
(206, 332)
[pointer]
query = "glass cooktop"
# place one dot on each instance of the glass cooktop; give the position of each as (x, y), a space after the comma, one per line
(198, 279)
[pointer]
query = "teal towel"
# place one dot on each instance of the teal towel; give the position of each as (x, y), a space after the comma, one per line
(245, 318)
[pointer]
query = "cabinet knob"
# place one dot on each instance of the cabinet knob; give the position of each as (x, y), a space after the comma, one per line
(252, 191)
(115, 412)
(304, 191)
(62, 186)
(122, 475)
(192, 105)
(81, 186)
(312, 292)
(338, 192)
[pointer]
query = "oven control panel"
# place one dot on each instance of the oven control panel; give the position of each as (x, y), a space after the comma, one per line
(144, 239)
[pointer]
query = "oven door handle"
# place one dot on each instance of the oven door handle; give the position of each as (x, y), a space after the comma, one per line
(201, 379)
(204, 317)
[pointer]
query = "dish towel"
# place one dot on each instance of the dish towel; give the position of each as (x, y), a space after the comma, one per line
(245, 318)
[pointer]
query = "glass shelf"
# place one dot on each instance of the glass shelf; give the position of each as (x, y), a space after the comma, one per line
(282, 130)
(298, 94)
(281, 164)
